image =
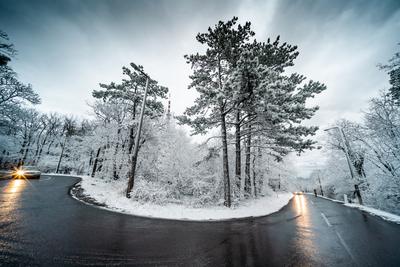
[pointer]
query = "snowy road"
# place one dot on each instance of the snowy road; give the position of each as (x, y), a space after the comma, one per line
(40, 224)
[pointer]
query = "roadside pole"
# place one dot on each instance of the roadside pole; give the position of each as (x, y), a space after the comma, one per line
(137, 137)
(346, 145)
(346, 151)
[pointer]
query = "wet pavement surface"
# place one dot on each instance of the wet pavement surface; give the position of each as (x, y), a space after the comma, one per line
(41, 225)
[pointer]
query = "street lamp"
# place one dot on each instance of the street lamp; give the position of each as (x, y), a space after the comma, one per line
(346, 151)
(137, 137)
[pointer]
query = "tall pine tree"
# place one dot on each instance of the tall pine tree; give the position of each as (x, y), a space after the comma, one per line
(210, 73)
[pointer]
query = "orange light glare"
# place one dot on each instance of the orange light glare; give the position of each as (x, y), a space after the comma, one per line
(20, 173)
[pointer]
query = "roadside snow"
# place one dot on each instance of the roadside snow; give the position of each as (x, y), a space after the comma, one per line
(59, 174)
(331, 199)
(112, 195)
(383, 214)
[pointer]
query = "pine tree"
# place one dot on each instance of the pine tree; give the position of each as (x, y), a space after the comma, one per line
(13, 93)
(210, 73)
(7, 50)
(272, 105)
(393, 70)
(272, 54)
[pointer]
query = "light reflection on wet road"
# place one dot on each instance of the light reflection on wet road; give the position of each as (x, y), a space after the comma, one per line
(40, 224)
(14, 186)
(305, 235)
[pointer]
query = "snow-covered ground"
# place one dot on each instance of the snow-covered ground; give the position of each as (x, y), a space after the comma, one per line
(383, 214)
(112, 195)
(331, 199)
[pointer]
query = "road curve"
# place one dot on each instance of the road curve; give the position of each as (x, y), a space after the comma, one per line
(41, 225)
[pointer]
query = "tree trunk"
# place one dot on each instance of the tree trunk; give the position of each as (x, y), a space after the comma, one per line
(49, 146)
(61, 155)
(225, 163)
(26, 145)
(238, 159)
(115, 173)
(131, 177)
(21, 158)
(261, 174)
(96, 160)
(38, 143)
(131, 140)
(254, 176)
(247, 179)
(27, 148)
(41, 148)
(91, 158)
(227, 183)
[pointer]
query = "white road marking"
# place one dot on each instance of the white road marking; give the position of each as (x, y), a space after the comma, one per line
(46, 179)
(342, 242)
(345, 246)
(312, 202)
(326, 219)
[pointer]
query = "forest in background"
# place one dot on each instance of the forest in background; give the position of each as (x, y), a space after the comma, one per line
(245, 90)
(374, 150)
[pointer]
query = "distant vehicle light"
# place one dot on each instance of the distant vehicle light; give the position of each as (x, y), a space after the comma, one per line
(20, 173)
(26, 172)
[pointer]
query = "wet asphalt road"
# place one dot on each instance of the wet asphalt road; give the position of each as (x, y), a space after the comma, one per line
(40, 224)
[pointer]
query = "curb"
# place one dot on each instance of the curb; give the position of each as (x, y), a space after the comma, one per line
(93, 203)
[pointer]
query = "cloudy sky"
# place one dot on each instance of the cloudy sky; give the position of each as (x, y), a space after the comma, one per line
(65, 48)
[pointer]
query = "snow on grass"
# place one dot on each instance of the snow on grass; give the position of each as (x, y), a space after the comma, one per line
(112, 195)
(383, 214)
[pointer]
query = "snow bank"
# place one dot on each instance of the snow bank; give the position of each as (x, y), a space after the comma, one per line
(327, 198)
(112, 195)
(383, 214)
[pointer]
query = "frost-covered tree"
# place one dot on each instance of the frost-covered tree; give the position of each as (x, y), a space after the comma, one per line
(374, 153)
(211, 71)
(131, 91)
(7, 50)
(353, 133)
(242, 83)
(272, 105)
(273, 55)
(172, 169)
(33, 139)
(14, 95)
(393, 70)
(50, 126)
(119, 106)
(69, 129)
(382, 122)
